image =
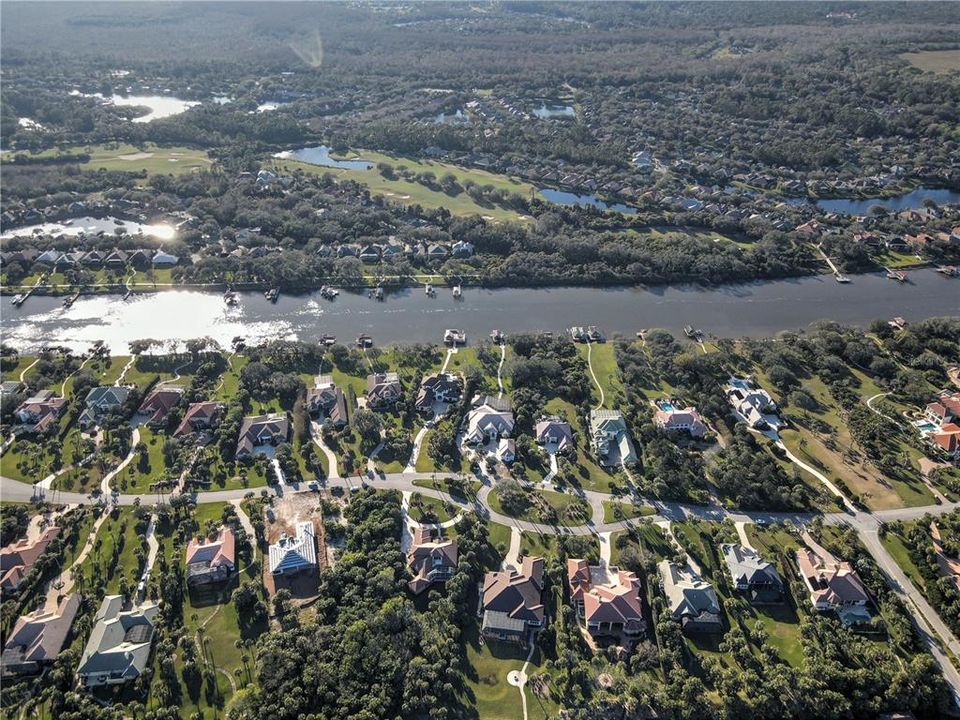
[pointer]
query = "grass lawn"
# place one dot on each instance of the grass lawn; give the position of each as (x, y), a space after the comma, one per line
(605, 369)
(499, 536)
(140, 474)
(561, 502)
(650, 537)
(628, 511)
(430, 506)
(487, 690)
(937, 61)
(152, 158)
(407, 192)
(587, 473)
(896, 546)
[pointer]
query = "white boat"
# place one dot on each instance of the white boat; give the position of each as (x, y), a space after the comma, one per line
(457, 291)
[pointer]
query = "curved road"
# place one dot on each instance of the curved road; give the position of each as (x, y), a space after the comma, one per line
(936, 635)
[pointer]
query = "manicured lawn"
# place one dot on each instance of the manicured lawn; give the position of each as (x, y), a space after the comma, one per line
(434, 506)
(604, 365)
(498, 535)
(152, 158)
(561, 502)
(898, 550)
(140, 474)
(585, 470)
(628, 511)
(407, 192)
(487, 666)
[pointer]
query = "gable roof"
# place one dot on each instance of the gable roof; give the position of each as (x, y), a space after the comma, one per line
(688, 595)
(212, 553)
(107, 396)
(201, 413)
(256, 430)
(516, 594)
(120, 640)
(294, 553)
(159, 403)
(747, 567)
(39, 636)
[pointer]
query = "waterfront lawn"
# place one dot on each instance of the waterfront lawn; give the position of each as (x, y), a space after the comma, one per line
(229, 383)
(604, 365)
(819, 437)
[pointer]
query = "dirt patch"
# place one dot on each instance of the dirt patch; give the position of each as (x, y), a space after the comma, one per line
(282, 517)
(135, 156)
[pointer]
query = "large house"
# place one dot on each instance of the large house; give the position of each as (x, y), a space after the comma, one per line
(292, 555)
(511, 601)
(383, 389)
(691, 600)
(607, 600)
(948, 566)
(118, 650)
(688, 420)
(37, 638)
(261, 431)
(39, 413)
(200, 416)
(438, 388)
(18, 559)
(327, 400)
(211, 560)
(833, 584)
(610, 438)
(101, 401)
(158, 404)
(554, 433)
(490, 420)
(753, 405)
(430, 560)
(944, 414)
(751, 575)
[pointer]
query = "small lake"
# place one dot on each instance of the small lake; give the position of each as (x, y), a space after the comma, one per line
(911, 200)
(547, 112)
(160, 106)
(457, 118)
(562, 197)
(320, 155)
(757, 309)
(91, 226)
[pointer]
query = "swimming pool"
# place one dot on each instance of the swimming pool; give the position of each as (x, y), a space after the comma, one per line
(665, 406)
(925, 426)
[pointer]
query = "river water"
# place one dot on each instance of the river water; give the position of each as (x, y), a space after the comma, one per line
(752, 309)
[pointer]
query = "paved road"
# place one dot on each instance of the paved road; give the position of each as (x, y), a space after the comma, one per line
(935, 633)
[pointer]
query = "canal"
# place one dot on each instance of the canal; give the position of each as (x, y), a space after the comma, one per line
(751, 309)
